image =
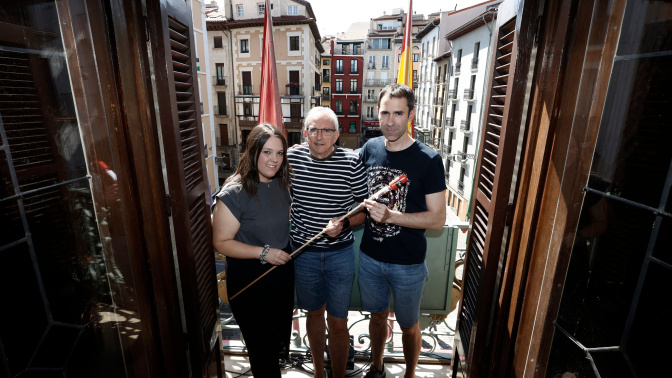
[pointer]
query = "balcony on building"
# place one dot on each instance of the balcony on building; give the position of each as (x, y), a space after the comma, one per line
(370, 100)
(326, 79)
(325, 97)
(354, 91)
(219, 110)
(293, 89)
(460, 187)
(424, 136)
(372, 118)
(339, 71)
(457, 68)
(474, 64)
(450, 123)
(469, 94)
(446, 150)
(452, 94)
(219, 80)
(247, 90)
(371, 66)
(437, 143)
(437, 122)
(247, 120)
(465, 127)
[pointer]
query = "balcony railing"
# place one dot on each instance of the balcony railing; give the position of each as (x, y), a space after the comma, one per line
(219, 110)
(452, 94)
(325, 97)
(370, 100)
(338, 112)
(339, 71)
(247, 90)
(218, 80)
(326, 79)
(457, 68)
(339, 91)
(378, 82)
(469, 94)
(354, 91)
(465, 126)
(294, 90)
(371, 66)
(371, 118)
(370, 47)
(437, 122)
(450, 122)
(474, 64)
(460, 186)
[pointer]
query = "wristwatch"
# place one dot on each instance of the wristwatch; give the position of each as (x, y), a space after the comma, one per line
(346, 223)
(262, 257)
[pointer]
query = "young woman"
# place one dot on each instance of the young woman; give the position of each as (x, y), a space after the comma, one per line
(251, 227)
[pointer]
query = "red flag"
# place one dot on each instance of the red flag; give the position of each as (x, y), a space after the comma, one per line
(270, 109)
(406, 63)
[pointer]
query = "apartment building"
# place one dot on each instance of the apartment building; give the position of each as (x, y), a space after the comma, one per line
(470, 45)
(239, 24)
(347, 72)
(427, 117)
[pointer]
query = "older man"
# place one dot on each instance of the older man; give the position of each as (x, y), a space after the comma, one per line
(327, 182)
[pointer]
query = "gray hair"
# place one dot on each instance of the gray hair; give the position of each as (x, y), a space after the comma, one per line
(319, 110)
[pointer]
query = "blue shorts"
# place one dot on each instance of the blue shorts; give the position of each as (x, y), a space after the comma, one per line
(377, 280)
(325, 277)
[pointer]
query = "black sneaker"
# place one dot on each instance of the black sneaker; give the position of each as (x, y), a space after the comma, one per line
(375, 373)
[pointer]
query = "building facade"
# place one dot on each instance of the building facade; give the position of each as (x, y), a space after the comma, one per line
(471, 44)
(298, 64)
(347, 71)
(427, 97)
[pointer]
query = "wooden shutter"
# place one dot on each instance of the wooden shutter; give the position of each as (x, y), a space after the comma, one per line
(494, 197)
(188, 189)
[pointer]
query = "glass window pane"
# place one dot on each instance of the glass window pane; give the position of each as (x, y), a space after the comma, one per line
(652, 324)
(605, 264)
(632, 153)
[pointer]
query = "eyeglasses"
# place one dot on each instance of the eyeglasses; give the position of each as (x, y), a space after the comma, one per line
(312, 131)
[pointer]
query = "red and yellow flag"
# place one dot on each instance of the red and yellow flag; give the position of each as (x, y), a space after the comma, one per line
(270, 109)
(406, 63)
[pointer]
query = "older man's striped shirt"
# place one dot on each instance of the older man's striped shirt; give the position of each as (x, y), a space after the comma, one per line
(321, 190)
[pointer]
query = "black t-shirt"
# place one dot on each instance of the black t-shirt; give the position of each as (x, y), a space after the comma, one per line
(388, 242)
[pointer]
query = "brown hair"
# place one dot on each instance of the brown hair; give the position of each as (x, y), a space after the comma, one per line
(396, 90)
(247, 173)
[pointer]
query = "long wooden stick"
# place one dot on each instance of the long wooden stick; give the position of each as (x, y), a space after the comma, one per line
(392, 186)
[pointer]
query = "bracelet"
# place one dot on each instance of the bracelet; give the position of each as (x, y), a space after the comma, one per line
(262, 257)
(346, 223)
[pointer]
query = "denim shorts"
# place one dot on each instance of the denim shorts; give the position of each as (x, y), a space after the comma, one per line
(325, 277)
(377, 280)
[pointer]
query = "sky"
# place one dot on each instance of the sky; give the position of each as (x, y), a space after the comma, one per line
(334, 16)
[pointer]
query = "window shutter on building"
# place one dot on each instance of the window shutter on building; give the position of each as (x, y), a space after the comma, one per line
(188, 190)
(494, 197)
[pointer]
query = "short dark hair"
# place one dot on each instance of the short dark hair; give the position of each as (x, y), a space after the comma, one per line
(397, 90)
(247, 173)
